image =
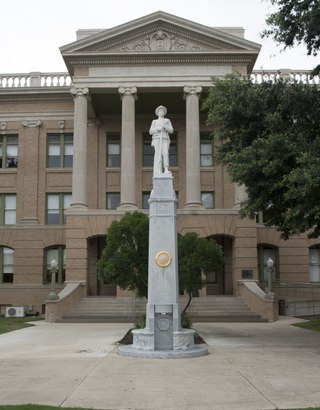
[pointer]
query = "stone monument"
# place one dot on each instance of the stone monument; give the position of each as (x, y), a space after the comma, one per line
(163, 336)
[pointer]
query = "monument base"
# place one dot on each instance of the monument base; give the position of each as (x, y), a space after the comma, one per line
(195, 351)
(144, 346)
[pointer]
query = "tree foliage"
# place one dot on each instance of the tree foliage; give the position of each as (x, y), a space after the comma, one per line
(271, 144)
(296, 22)
(197, 256)
(124, 260)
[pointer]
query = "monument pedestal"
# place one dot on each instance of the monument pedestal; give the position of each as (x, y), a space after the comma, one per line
(163, 336)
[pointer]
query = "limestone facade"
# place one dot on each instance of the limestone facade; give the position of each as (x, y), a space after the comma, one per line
(88, 137)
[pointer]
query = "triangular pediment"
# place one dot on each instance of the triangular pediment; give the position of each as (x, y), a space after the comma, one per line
(159, 33)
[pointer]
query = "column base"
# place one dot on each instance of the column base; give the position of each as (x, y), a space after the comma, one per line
(78, 206)
(127, 206)
(194, 205)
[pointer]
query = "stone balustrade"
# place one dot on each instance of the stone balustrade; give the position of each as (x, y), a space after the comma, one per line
(35, 79)
(259, 76)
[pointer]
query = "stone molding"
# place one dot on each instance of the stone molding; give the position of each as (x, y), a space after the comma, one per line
(32, 123)
(55, 96)
(159, 59)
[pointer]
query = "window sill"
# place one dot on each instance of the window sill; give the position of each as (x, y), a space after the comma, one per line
(60, 170)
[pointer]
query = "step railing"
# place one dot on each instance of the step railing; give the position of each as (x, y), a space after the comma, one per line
(294, 290)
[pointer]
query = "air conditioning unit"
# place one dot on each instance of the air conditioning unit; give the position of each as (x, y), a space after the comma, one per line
(15, 311)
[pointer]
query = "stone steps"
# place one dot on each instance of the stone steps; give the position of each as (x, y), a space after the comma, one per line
(129, 310)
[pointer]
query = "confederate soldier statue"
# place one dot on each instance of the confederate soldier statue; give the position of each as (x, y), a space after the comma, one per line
(160, 130)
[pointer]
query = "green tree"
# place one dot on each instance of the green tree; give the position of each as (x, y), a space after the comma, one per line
(271, 144)
(197, 256)
(296, 22)
(124, 260)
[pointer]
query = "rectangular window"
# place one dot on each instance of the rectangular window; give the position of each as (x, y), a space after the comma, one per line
(8, 151)
(8, 209)
(148, 150)
(60, 151)
(56, 206)
(113, 200)
(207, 199)
(206, 149)
(113, 149)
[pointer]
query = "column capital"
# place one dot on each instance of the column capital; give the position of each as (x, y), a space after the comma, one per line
(128, 91)
(192, 90)
(32, 124)
(77, 92)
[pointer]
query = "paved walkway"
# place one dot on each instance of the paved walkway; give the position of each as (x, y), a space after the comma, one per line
(250, 366)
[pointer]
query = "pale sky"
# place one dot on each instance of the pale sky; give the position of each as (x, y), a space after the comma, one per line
(31, 31)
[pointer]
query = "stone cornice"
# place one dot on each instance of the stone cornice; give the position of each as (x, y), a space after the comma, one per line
(145, 58)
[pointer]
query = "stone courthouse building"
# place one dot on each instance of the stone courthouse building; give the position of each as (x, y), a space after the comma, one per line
(76, 154)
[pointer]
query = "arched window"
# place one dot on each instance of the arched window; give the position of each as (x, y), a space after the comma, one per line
(314, 264)
(58, 252)
(6, 265)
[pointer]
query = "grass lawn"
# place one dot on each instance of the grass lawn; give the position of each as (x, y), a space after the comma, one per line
(8, 324)
(313, 324)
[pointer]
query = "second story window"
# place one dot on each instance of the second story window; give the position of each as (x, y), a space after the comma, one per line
(60, 151)
(8, 151)
(206, 149)
(8, 209)
(56, 206)
(113, 149)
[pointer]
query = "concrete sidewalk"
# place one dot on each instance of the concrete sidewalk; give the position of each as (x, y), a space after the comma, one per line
(250, 366)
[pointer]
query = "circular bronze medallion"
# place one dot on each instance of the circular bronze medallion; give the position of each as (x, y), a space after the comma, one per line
(163, 259)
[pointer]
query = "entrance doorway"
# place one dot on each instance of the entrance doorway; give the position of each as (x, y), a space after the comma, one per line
(95, 286)
(220, 282)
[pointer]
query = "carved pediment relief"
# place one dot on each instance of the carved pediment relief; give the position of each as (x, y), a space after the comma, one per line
(159, 38)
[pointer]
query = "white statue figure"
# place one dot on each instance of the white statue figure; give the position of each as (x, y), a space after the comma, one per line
(160, 130)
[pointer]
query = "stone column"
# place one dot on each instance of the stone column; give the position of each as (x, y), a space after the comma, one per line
(128, 169)
(193, 184)
(29, 164)
(79, 174)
